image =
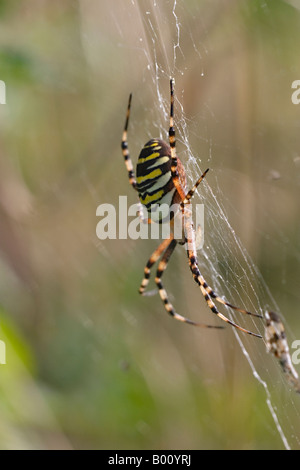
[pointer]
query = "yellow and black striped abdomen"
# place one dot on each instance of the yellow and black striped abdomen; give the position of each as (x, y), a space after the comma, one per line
(154, 180)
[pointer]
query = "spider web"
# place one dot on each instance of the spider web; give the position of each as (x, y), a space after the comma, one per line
(178, 38)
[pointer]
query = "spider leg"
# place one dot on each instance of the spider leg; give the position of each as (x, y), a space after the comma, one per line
(152, 260)
(191, 192)
(208, 289)
(199, 279)
(124, 146)
(185, 200)
(163, 293)
(219, 299)
(172, 141)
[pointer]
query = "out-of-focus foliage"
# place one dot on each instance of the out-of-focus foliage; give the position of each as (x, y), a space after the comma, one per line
(90, 364)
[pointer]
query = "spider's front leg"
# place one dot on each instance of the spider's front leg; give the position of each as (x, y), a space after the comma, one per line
(124, 146)
(172, 141)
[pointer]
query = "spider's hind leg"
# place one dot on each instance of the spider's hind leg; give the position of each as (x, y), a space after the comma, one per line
(163, 293)
(208, 293)
(206, 290)
(152, 260)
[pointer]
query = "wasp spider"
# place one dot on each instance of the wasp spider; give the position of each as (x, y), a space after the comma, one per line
(276, 342)
(161, 179)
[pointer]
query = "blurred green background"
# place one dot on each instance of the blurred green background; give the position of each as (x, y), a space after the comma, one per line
(89, 363)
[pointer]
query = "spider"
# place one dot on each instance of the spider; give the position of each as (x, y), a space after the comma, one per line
(161, 179)
(276, 342)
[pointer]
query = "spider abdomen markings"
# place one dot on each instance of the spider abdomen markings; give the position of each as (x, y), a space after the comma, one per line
(154, 179)
(155, 183)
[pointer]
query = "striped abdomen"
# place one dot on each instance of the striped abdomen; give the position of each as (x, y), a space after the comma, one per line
(154, 180)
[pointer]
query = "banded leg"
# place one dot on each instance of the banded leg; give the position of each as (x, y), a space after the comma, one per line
(219, 299)
(207, 292)
(125, 151)
(152, 260)
(208, 289)
(163, 293)
(172, 141)
(191, 192)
